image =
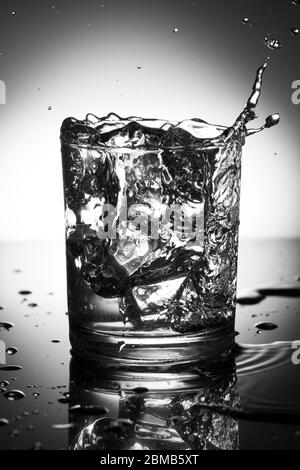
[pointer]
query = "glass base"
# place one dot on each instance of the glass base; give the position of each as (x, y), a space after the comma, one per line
(127, 351)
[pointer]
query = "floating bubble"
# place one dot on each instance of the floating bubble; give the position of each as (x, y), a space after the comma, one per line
(4, 383)
(14, 395)
(55, 341)
(36, 394)
(14, 433)
(139, 67)
(175, 30)
(245, 20)
(49, 108)
(10, 367)
(295, 31)
(13, 13)
(30, 427)
(32, 305)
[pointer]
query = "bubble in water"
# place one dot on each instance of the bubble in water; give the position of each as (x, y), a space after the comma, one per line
(32, 305)
(258, 332)
(175, 30)
(295, 2)
(55, 341)
(13, 13)
(295, 31)
(4, 383)
(30, 427)
(36, 394)
(25, 292)
(13, 395)
(14, 433)
(139, 67)
(3, 421)
(17, 270)
(11, 351)
(6, 325)
(121, 345)
(121, 393)
(245, 20)
(266, 326)
(64, 400)
(49, 108)
(273, 44)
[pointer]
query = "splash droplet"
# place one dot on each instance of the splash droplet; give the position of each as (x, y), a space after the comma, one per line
(175, 30)
(11, 351)
(245, 20)
(13, 395)
(13, 13)
(295, 31)
(36, 394)
(4, 383)
(272, 120)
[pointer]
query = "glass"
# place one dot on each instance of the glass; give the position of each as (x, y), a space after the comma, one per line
(152, 215)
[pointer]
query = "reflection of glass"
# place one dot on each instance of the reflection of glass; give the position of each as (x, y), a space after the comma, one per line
(152, 214)
(119, 412)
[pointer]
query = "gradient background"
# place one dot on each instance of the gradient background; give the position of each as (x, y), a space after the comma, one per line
(80, 57)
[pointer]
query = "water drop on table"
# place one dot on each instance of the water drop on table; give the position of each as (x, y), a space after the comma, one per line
(273, 44)
(13, 395)
(3, 421)
(266, 326)
(11, 351)
(6, 325)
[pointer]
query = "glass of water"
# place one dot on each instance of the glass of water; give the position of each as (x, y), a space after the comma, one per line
(152, 215)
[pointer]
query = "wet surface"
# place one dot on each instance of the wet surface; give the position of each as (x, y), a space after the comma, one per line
(253, 402)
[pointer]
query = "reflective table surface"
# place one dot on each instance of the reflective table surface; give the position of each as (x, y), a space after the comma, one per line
(50, 401)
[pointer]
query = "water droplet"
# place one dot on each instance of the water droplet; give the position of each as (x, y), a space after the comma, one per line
(49, 108)
(139, 67)
(25, 414)
(13, 395)
(64, 400)
(258, 332)
(14, 433)
(121, 345)
(13, 13)
(55, 341)
(51, 293)
(11, 351)
(35, 412)
(63, 426)
(36, 394)
(10, 367)
(245, 20)
(37, 446)
(273, 44)
(30, 427)
(6, 325)
(4, 383)
(121, 393)
(17, 271)
(295, 31)
(3, 421)
(32, 305)
(272, 120)
(25, 292)
(140, 390)
(266, 326)
(175, 30)
(295, 2)
(89, 410)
